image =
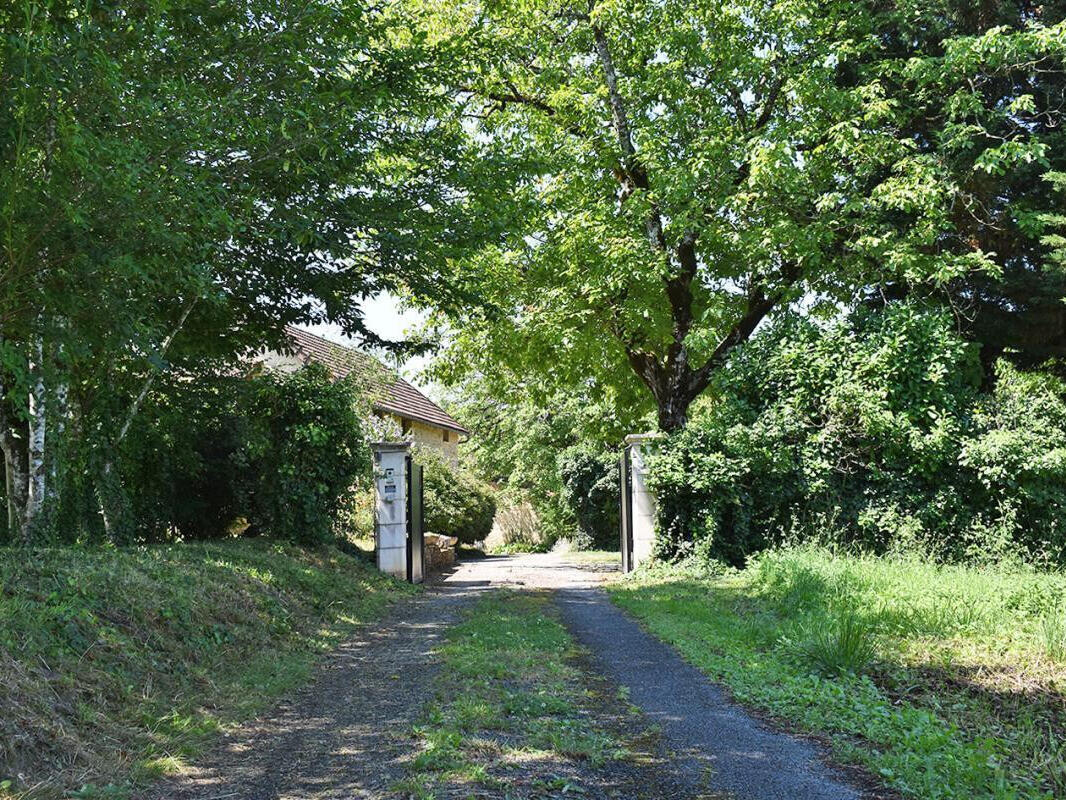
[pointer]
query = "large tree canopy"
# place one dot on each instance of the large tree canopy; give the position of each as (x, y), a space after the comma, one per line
(980, 90)
(178, 180)
(692, 168)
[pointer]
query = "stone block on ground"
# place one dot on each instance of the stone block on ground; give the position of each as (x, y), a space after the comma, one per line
(440, 551)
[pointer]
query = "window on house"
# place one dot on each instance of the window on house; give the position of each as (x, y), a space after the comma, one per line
(405, 425)
(447, 435)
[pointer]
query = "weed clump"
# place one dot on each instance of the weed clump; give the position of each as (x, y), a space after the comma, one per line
(844, 646)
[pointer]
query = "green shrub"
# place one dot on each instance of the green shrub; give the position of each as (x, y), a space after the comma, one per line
(591, 491)
(275, 454)
(456, 503)
(304, 452)
(182, 465)
(870, 432)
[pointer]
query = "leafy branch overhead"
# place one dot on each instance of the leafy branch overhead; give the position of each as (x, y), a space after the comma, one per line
(179, 183)
(691, 170)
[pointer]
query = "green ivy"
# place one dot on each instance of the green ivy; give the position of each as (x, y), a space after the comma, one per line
(872, 431)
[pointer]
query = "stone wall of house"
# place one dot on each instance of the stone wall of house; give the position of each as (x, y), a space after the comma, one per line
(432, 437)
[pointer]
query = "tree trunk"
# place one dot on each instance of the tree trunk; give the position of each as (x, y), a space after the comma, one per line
(59, 418)
(673, 414)
(35, 451)
(14, 478)
(8, 500)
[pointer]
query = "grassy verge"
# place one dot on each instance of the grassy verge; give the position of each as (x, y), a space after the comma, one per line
(120, 664)
(945, 682)
(514, 713)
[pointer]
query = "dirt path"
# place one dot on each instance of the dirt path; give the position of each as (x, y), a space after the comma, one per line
(348, 733)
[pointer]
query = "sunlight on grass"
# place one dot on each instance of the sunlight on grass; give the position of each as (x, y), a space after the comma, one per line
(944, 681)
(135, 658)
(521, 702)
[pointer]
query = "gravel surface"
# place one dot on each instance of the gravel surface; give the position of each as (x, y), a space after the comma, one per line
(714, 735)
(348, 733)
(720, 745)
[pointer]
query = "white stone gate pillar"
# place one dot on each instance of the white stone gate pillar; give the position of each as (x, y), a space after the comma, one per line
(390, 506)
(643, 508)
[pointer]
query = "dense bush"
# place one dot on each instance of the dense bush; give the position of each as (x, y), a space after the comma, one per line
(456, 503)
(183, 466)
(589, 479)
(872, 432)
(304, 452)
(272, 454)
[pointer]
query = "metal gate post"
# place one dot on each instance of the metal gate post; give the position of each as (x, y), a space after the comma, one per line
(625, 517)
(416, 546)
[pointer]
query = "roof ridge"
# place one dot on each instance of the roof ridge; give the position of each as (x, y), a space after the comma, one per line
(400, 396)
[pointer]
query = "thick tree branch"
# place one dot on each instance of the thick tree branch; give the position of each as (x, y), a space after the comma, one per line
(679, 290)
(759, 305)
(515, 97)
(633, 170)
(646, 367)
(131, 413)
(769, 105)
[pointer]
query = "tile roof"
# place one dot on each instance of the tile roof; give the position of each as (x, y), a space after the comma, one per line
(390, 392)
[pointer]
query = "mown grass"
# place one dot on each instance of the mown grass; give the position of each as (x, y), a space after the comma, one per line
(945, 682)
(120, 664)
(513, 707)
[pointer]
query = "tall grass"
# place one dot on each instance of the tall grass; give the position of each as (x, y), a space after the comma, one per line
(945, 681)
(913, 599)
(844, 645)
(1053, 633)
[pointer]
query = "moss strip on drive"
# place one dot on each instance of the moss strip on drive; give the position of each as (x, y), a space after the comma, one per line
(519, 715)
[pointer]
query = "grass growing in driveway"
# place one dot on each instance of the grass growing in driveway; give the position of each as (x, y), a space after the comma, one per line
(514, 715)
(946, 682)
(117, 665)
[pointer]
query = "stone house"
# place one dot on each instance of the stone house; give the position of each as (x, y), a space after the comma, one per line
(391, 397)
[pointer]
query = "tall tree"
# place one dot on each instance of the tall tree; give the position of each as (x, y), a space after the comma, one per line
(980, 90)
(178, 180)
(694, 168)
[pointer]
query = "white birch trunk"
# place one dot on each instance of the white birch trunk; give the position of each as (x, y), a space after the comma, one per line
(14, 477)
(16, 489)
(35, 455)
(59, 418)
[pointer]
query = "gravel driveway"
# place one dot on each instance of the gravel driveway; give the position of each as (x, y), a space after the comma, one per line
(347, 733)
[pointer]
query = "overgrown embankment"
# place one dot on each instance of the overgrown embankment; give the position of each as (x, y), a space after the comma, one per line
(946, 682)
(120, 663)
